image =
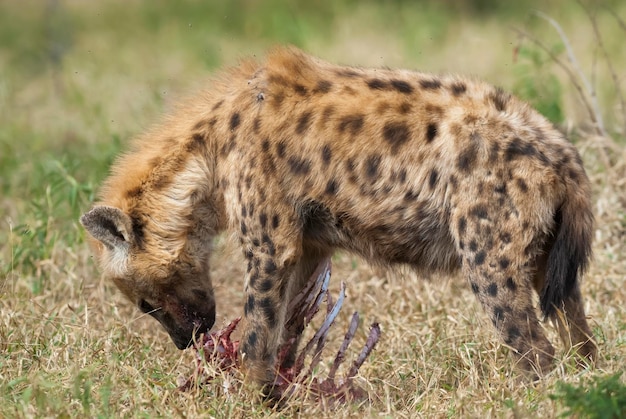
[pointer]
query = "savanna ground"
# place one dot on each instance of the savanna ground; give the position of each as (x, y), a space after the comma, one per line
(78, 79)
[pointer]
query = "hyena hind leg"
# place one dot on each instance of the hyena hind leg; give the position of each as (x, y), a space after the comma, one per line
(501, 276)
(570, 319)
(507, 299)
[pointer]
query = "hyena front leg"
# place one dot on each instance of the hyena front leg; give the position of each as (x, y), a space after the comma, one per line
(500, 272)
(264, 315)
(272, 247)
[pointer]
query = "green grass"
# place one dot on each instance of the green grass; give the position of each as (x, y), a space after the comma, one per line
(79, 79)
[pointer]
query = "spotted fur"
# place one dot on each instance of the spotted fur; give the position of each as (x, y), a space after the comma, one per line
(298, 157)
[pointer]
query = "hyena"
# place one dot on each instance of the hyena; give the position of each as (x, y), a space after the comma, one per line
(298, 158)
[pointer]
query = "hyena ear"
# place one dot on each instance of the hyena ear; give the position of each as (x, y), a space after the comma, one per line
(109, 225)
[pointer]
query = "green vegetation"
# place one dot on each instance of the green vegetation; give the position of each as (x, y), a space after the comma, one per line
(79, 79)
(602, 397)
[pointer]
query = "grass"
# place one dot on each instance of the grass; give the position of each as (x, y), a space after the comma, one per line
(78, 79)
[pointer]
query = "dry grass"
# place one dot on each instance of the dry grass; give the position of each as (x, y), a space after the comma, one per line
(72, 346)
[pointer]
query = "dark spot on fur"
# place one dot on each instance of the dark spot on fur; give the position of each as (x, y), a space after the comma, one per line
(396, 134)
(299, 166)
(501, 189)
(431, 132)
(271, 248)
(458, 88)
(326, 154)
(462, 226)
(475, 288)
(410, 196)
(235, 120)
(331, 187)
(249, 350)
(275, 221)
(266, 305)
(256, 125)
(265, 145)
(328, 112)
(432, 179)
(244, 228)
(270, 267)
(453, 182)
(265, 286)
(382, 107)
(404, 108)
(300, 89)
(218, 104)
(281, 148)
(430, 84)
(249, 306)
(323, 86)
(467, 158)
(479, 259)
(518, 148)
(402, 86)
(371, 167)
(505, 238)
(377, 84)
(492, 289)
(510, 284)
(479, 211)
(252, 339)
(278, 79)
(504, 263)
(512, 334)
(135, 192)
(263, 219)
(544, 159)
(303, 123)
(351, 123)
(350, 165)
(254, 276)
(402, 176)
(279, 97)
(137, 225)
(522, 185)
(500, 99)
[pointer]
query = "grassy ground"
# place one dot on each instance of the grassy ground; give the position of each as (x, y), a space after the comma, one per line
(78, 79)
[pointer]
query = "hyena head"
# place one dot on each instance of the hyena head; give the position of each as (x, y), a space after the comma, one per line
(170, 283)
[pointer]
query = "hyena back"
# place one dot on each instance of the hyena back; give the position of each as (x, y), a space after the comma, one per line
(299, 158)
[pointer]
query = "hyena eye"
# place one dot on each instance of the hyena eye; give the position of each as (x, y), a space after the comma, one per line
(145, 306)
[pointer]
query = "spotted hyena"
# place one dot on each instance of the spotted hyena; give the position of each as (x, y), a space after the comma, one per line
(299, 157)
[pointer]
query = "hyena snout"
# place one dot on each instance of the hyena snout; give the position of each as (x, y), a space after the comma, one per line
(185, 321)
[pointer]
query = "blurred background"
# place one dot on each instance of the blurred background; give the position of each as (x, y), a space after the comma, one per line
(79, 78)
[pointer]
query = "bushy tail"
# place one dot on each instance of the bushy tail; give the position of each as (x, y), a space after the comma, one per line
(571, 251)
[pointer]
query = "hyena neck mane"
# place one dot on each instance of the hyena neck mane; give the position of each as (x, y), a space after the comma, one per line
(166, 185)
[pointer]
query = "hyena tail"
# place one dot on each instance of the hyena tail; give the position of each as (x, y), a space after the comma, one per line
(571, 249)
